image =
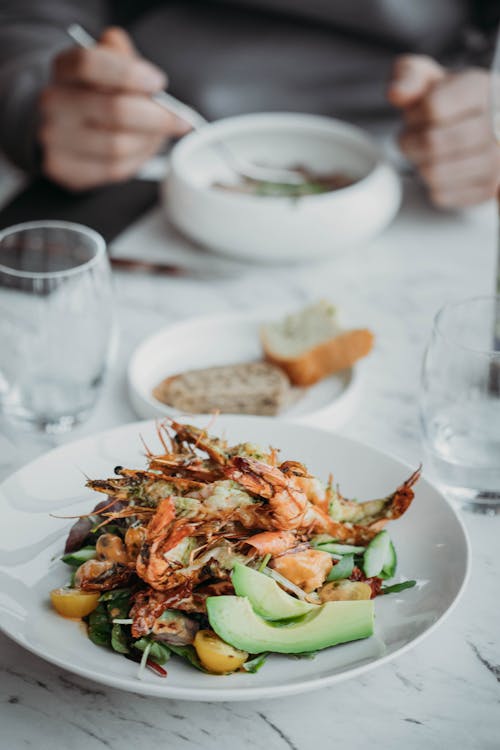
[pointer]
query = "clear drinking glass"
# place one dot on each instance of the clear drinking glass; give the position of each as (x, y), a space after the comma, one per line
(56, 321)
(495, 89)
(495, 120)
(460, 403)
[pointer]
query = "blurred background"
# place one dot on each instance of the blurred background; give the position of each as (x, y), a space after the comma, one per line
(82, 120)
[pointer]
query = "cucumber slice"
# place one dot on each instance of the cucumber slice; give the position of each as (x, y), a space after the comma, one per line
(376, 554)
(75, 559)
(342, 569)
(339, 549)
(389, 569)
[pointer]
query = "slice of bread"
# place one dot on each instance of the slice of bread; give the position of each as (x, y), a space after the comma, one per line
(310, 345)
(247, 388)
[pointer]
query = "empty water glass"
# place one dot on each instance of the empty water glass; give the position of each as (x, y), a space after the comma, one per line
(460, 403)
(56, 321)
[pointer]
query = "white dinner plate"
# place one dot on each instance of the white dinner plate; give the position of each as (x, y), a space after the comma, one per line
(208, 341)
(430, 540)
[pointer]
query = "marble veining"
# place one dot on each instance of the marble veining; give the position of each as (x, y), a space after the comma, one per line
(444, 692)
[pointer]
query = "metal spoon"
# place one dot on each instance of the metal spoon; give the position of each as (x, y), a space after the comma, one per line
(238, 165)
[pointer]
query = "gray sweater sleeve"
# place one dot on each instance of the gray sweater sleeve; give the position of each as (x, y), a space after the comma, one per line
(31, 33)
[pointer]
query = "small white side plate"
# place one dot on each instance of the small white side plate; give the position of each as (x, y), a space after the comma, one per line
(214, 340)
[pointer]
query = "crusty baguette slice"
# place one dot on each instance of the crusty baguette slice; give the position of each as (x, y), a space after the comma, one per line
(309, 345)
(247, 388)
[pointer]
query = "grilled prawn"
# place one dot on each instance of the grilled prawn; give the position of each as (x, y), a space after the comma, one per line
(292, 508)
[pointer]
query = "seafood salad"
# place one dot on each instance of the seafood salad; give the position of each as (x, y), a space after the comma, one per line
(222, 555)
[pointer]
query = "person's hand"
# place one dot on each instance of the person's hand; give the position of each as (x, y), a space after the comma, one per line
(97, 123)
(447, 132)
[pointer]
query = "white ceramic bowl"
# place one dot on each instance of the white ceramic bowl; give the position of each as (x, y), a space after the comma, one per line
(274, 228)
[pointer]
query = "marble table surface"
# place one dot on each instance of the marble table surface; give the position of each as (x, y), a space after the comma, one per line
(445, 692)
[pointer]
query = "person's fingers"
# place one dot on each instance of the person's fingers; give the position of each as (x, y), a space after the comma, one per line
(107, 68)
(108, 145)
(82, 173)
(119, 40)
(462, 198)
(120, 112)
(97, 124)
(459, 173)
(453, 98)
(422, 145)
(412, 77)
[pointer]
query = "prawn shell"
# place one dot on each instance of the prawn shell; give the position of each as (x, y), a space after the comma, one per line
(272, 542)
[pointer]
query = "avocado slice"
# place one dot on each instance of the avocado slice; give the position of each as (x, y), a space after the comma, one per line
(234, 620)
(266, 597)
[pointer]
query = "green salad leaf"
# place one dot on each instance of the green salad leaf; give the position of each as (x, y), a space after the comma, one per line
(253, 665)
(99, 626)
(397, 587)
(158, 652)
(188, 653)
(111, 596)
(119, 640)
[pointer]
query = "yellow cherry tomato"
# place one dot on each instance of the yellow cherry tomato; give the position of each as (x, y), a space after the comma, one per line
(74, 602)
(216, 655)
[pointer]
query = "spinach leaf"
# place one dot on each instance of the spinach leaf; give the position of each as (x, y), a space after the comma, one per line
(188, 653)
(118, 610)
(253, 665)
(110, 596)
(159, 652)
(119, 641)
(117, 603)
(99, 627)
